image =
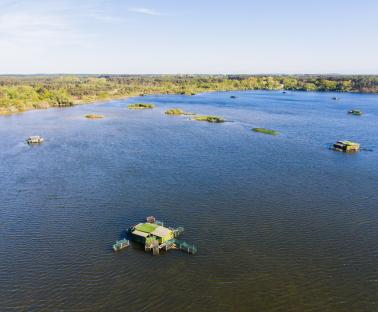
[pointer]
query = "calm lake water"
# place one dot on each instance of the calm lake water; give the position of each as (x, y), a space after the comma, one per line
(281, 223)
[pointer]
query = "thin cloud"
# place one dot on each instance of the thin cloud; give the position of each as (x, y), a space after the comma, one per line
(46, 25)
(146, 11)
(27, 30)
(8, 4)
(26, 25)
(109, 19)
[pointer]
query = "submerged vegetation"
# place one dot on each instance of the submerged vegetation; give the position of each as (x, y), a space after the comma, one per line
(141, 106)
(94, 116)
(266, 131)
(177, 112)
(20, 93)
(214, 119)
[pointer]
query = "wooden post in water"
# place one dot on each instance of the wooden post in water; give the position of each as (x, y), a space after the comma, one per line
(155, 250)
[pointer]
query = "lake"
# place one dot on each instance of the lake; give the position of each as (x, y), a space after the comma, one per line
(281, 223)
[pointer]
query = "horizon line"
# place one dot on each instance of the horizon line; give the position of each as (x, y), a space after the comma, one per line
(185, 74)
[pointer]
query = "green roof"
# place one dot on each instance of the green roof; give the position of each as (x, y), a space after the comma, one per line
(349, 143)
(146, 227)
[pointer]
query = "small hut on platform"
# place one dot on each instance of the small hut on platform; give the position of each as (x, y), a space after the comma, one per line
(155, 237)
(34, 139)
(347, 146)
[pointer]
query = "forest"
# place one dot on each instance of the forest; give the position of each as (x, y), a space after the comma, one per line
(21, 93)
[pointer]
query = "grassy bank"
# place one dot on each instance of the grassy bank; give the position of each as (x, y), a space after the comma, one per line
(21, 93)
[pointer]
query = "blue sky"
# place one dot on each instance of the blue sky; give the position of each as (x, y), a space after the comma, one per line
(196, 36)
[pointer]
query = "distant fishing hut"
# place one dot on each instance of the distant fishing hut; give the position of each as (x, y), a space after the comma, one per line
(144, 230)
(121, 244)
(355, 112)
(347, 146)
(155, 237)
(34, 139)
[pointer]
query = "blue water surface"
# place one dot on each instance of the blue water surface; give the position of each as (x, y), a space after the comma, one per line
(282, 223)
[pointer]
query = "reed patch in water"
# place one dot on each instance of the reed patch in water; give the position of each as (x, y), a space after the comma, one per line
(94, 116)
(141, 106)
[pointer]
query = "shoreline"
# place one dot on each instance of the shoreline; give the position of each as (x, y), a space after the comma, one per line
(21, 94)
(44, 105)
(95, 101)
(48, 106)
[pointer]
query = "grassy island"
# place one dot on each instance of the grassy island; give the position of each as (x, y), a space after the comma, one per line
(177, 112)
(266, 131)
(213, 119)
(141, 106)
(94, 116)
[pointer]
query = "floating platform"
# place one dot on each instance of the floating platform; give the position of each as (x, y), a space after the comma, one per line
(121, 244)
(184, 246)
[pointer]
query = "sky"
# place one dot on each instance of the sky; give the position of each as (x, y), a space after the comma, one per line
(188, 37)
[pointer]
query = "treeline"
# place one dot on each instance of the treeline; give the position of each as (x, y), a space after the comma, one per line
(20, 93)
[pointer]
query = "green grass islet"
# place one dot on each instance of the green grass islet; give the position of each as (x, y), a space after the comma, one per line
(177, 112)
(94, 116)
(212, 119)
(266, 131)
